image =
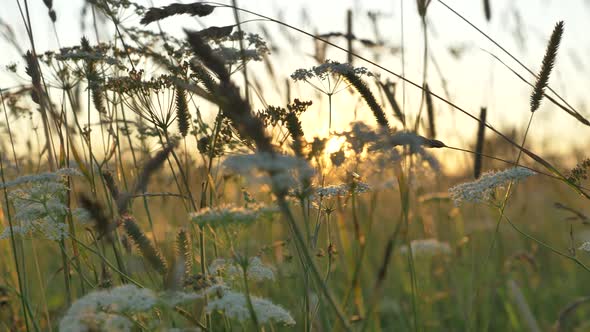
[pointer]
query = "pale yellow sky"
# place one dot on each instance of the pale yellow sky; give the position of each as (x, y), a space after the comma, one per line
(474, 79)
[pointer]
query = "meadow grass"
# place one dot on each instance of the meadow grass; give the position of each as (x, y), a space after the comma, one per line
(156, 197)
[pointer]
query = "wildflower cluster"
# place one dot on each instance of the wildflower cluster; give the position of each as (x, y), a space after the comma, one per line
(385, 147)
(115, 309)
(585, 246)
(225, 215)
(235, 306)
(39, 204)
(481, 190)
(427, 247)
(328, 68)
(281, 171)
(342, 189)
(255, 270)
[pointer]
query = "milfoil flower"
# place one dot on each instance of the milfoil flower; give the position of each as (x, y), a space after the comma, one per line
(585, 246)
(115, 309)
(226, 215)
(342, 189)
(39, 204)
(426, 248)
(256, 270)
(481, 189)
(235, 306)
(283, 172)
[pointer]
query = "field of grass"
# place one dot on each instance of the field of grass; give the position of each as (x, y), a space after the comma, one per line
(147, 184)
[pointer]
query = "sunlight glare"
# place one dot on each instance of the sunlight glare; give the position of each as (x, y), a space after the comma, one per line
(334, 144)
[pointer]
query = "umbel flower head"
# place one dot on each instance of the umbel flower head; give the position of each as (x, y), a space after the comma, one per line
(255, 270)
(328, 68)
(282, 172)
(39, 204)
(227, 215)
(235, 306)
(342, 189)
(481, 190)
(585, 246)
(427, 247)
(114, 309)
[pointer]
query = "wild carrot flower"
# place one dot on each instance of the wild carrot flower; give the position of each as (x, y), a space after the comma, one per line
(255, 271)
(235, 306)
(585, 246)
(281, 171)
(342, 189)
(385, 147)
(231, 215)
(108, 310)
(114, 309)
(330, 76)
(481, 190)
(39, 204)
(427, 247)
(326, 69)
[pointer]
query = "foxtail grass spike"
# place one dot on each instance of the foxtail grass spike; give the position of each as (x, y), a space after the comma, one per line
(194, 9)
(479, 143)
(216, 32)
(546, 67)
(204, 77)
(33, 71)
(102, 224)
(183, 250)
(111, 184)
(93, 79)
(228, 97)
(296, 132)
(430, 112)
(151, 166)
(147, 249)
(183, 115)
(487, 9)
(362, 88)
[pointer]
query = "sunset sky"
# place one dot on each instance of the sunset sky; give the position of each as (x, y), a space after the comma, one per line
(474, 79)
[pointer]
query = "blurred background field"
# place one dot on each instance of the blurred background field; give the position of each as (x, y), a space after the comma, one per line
(515, 262)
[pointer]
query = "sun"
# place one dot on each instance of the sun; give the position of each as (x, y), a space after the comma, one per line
(334, 144)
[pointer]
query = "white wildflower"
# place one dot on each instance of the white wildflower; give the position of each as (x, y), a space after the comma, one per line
(225, 215)
(281, 171)
(42, 177)
(228, 49)
(328, 68)
(107, 310)
(113, 310)
(427, 247)
(386, 147)
(585, 246)
(235, 306)
(39, 205)
(481, 189)
(342, 189)
(256, 270)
